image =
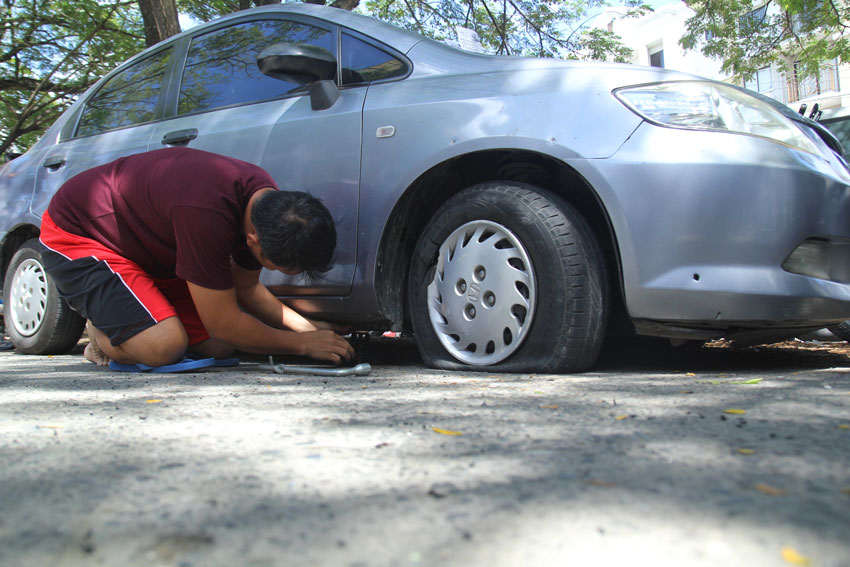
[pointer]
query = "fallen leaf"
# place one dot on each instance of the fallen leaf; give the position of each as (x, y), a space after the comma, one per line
(790, 555)
(621, 417)
(152, 401)
(767, 489)
(844, 426)
(548, 406)
(735, 411)
(690, 374)
(598, 482)
(745, 451)
(846, 491)
(445, 431)
(753, 381)
(51, 426)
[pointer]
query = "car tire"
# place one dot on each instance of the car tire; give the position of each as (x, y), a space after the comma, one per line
(842, 331)
(37, 320)
(508, 277)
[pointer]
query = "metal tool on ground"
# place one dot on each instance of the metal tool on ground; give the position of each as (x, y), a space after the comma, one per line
(362, 369)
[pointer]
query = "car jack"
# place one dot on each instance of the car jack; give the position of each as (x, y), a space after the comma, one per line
(362, 369)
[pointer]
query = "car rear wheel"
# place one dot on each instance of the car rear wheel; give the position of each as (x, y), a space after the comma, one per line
(37, 320)
(508, 277)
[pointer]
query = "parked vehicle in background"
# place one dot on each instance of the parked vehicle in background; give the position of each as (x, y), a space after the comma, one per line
(511, 212)
(837, 121)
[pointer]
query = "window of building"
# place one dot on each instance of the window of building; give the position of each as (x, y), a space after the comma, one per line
(129, 97)
(761, 82)
(656, 58)
(800, 87)
(752, 20)
(362, 62)
(809, 19)
(221, 67)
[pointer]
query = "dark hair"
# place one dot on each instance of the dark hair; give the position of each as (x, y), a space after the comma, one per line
(295, 230)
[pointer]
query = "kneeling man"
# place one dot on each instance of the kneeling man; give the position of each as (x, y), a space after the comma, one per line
(162, 251)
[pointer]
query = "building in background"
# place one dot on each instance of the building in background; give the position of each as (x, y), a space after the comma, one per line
(654, 38)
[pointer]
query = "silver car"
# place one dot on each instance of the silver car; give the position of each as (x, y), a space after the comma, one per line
(510, 212)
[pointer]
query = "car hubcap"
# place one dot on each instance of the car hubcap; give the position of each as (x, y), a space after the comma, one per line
(481, 300)
(28, 298)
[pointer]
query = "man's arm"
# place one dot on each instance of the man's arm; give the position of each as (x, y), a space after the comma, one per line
(256, 298)
(225, 321)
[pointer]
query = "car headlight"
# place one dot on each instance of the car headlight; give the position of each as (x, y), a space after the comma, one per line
(698, 105)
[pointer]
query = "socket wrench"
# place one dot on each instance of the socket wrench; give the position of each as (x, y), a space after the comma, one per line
(362, 369)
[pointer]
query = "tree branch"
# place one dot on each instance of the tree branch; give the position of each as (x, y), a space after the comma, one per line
(502, 31)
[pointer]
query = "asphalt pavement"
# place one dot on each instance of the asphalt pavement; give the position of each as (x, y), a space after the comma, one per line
(657, 457)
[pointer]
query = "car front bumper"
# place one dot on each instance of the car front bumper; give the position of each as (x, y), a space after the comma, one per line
(705, 224)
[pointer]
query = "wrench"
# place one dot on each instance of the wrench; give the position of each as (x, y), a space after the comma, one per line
(360, 370)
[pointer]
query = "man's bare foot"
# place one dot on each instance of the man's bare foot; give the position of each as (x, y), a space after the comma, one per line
(92, 351)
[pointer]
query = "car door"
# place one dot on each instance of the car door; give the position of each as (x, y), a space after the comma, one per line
(226, 106)
(115, 120)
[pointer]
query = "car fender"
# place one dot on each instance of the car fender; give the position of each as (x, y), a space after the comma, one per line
(16, 188)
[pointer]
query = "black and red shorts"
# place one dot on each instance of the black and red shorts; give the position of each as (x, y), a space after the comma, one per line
(114, 293)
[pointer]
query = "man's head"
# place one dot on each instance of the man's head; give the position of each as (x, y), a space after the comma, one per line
(295, 231)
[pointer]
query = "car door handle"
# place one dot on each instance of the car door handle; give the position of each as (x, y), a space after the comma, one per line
(54, 162)
(180, 137)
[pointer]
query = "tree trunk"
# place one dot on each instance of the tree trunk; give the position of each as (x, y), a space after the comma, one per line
(160, 19)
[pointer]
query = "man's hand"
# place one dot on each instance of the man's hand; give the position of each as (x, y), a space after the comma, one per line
(326, 345)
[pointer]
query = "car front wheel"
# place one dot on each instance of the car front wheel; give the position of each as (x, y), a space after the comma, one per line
(842, 331)
(508, 277)
(37, 320)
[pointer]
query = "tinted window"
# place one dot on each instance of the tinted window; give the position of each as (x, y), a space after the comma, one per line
(129, 97)
(221, 68)
(362, 62)
(841, 128)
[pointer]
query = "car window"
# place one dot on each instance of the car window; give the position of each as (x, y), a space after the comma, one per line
(362, 62)
(841, 128)
(221, 68)
(129, 97)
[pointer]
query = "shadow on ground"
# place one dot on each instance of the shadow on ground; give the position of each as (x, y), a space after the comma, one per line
(657, 355)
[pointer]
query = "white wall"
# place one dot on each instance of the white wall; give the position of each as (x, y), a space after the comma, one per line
(662, 28)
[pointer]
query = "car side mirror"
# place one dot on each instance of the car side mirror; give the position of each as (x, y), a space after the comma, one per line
(307, 65)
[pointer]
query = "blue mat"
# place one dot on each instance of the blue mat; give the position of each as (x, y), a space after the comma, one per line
(185, 365)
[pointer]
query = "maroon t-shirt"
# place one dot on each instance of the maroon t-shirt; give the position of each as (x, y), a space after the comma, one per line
(177, 212)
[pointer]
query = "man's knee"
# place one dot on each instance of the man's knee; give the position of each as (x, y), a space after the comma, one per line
(164, 343)
(163, 354)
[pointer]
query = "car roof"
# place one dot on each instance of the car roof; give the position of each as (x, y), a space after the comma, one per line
(398, 38)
